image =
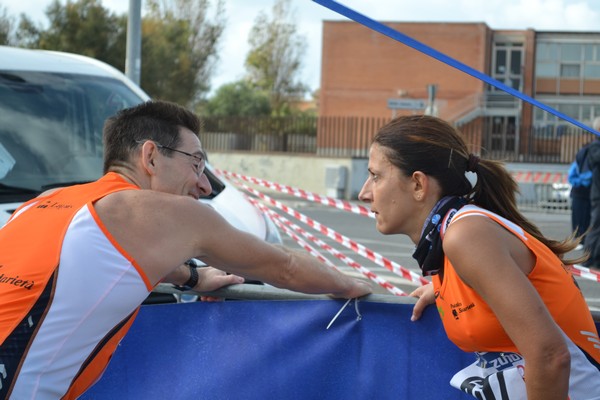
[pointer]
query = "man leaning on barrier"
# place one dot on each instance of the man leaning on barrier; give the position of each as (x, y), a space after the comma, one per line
(76, 262)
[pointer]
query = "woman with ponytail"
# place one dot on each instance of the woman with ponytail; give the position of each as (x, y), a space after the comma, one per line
(502, 289)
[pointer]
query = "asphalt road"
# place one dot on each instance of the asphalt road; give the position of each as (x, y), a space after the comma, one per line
(399, 248)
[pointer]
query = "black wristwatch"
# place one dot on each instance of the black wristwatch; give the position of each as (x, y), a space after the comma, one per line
(193, 281)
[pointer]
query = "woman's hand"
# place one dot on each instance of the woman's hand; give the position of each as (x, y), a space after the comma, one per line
(425, 297)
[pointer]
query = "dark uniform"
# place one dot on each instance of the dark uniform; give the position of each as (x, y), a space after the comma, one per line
(592, 241)
(580, 193)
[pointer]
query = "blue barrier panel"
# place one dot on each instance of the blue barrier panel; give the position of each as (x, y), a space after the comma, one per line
(281, 350)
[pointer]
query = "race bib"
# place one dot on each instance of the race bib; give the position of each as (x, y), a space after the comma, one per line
(494, 376)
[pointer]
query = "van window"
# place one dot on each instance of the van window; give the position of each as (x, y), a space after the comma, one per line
(51, 129)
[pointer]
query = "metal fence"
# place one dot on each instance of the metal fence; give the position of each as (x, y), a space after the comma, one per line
(261, 134)
(351, 136)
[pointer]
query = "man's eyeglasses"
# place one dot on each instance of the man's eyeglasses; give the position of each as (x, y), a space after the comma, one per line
(198, 165)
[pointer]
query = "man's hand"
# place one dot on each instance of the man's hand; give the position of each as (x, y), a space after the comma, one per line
(357, 288)
(211, 279)
(426, 297)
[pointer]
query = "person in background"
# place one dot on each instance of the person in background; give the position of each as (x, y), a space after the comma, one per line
(580, 179)
(76, 263)
(502, 289)
(592, 239)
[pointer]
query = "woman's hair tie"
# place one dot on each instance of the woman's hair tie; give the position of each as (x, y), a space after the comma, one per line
(472, 163)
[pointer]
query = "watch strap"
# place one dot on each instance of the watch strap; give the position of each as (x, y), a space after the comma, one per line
(192, 281)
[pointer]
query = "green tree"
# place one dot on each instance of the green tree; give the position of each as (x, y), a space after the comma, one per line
(179, 48)
(82, 27)
(237, 99)
(28, 33)
(179, 41)
(6, 26)
(275, 57)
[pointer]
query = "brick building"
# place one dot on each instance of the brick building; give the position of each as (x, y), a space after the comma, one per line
(363, 72)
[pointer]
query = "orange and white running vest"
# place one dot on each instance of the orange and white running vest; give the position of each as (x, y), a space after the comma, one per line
(472, 326)
(68, 293)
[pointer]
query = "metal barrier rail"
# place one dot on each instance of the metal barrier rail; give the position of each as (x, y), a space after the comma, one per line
(246, 291)
(266, 292)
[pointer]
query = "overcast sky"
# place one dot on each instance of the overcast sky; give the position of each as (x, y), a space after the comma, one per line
(554, 15)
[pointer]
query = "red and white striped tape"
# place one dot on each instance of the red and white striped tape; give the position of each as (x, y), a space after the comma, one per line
(311, 250)
(584, 272)
(281, 222)
(343, 240)
(520, 176)
(539, 177)
(303, 194)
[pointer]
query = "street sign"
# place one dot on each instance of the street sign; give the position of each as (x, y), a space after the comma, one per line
(406, 104)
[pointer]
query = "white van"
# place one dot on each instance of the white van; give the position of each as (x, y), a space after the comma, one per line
(52, 109)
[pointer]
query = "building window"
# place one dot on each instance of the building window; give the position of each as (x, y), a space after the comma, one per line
(588, 52)
(586, 112)
(549, 126)
(515, 62)
(507, 64)
(547, 52)
(546, 70)
(570, 70)
(501, 61)
(592, 71)
(570, 52)
(558, 59)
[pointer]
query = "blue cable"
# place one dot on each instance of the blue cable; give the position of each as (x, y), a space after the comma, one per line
(402, 38)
